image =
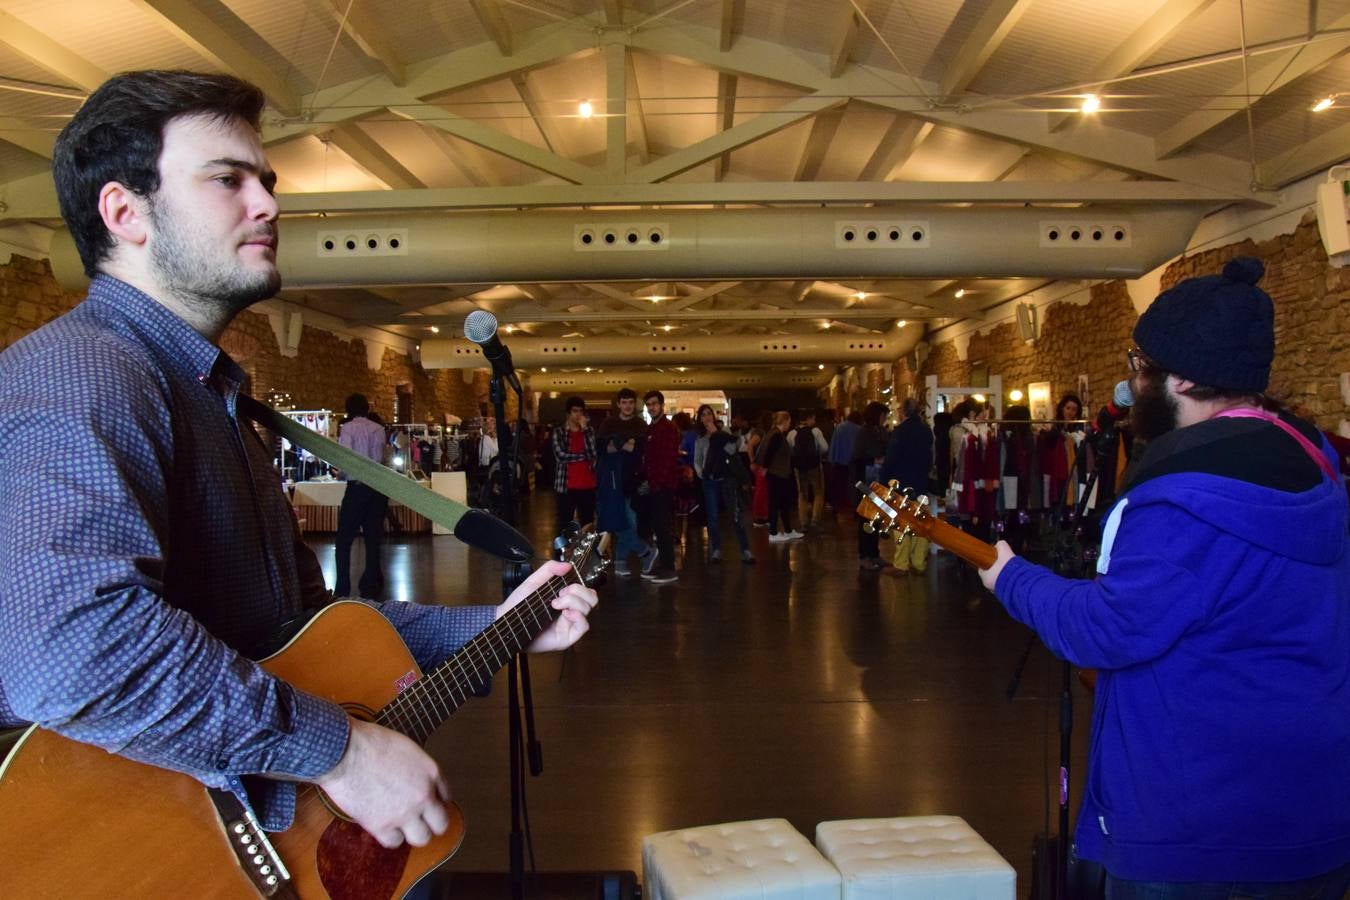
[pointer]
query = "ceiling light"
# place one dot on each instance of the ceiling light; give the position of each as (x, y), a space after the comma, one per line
(978, 398)
(960, 292)
(585, 109)
(435, 329)
(543, 370)
(667, 327)
(654, 298)
(1091, 103)
(681, 368)
(1015, 396)
(861, 295)
(510, 329)
(820, 366)
(588, 368)
(901, 324)
(1324, 103)
(825, 325)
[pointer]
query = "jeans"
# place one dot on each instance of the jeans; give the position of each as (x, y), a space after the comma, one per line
(661, 509)
(626, 541)
(363, 510)
(1328, 886)
(716, 493)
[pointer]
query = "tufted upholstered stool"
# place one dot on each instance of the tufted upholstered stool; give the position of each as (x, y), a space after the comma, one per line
(916, 858)
(766, 859)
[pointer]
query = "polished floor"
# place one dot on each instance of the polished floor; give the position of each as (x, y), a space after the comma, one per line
(800, 687)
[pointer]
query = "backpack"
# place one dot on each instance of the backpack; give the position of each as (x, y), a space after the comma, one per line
(805, 453)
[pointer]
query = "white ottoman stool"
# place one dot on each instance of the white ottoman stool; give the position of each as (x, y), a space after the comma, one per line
(762, 860)
(918, 858)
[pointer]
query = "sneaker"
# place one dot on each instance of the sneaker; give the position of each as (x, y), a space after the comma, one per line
(649, 561)
(663, 576)
(760, 523)
(747, 557)
(795, 535)
(716, 556)
(621, 568)
(779, 538)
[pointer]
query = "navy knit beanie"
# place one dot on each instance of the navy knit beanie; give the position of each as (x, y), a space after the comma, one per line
(1218, 331)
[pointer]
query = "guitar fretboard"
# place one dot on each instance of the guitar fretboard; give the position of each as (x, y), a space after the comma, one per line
(425, 704)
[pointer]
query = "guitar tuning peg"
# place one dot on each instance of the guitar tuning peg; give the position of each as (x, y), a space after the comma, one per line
(869, 527)
(893, 484)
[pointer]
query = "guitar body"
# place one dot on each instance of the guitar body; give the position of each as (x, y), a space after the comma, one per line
(77, 821)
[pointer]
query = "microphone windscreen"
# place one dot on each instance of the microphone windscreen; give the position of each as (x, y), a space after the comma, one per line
(1123, 397)
(480, 326)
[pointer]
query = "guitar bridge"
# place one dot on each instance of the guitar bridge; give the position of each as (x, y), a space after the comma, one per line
(253, 851)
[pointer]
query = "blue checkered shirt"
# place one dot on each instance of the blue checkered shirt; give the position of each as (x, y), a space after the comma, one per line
(148, 555)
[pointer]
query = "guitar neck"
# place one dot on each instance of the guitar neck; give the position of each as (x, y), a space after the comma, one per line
(971, 549)
(425, 704)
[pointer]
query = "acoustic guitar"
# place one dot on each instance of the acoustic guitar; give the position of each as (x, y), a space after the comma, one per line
(887, 507)
(81, 822)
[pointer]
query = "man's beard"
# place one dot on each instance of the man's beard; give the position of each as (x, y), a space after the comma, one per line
(185, 266)
(1155, 411)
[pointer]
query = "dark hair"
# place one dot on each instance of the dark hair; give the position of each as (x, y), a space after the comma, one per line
(357, 405)
(626, 394)
(575, 403)
(653, 393)
(910, 407)
(118, 135)
(698, 418)
(1065, 401)
(855, 417)
(874, 414)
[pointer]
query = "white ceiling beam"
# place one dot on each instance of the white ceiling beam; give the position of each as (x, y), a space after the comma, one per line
(616, 110)
(794, 193)
(519, 317)
(367, 153)
(1146, 40)
(1113, 147)
(49, 55)
(897, 145)
(726, 118)
(1311, 157)
(759, 127)
(733, 12)
(699, 296)
(21, 134)
(622, 296)
(189, 24)
(359, 22)
(493, 20)
(542, 120)
(823, 129)
(846, 38)
(445, 74)
(997, 21)
(639, 118)
(499, 142)
(1268, 74)
(455, 159)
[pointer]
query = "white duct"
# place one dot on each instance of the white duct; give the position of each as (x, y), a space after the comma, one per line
(822, 347)
(700, 379)
(666, 244)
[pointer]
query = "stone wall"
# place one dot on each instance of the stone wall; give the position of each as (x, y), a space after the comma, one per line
(327, 369)
(1312, 330)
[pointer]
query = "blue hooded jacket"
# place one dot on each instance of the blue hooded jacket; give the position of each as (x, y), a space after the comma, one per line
(1220, 621)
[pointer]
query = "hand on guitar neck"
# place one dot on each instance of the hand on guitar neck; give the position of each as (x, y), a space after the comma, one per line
(887, 507)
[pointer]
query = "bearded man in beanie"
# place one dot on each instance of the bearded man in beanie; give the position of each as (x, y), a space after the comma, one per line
(1219, 623)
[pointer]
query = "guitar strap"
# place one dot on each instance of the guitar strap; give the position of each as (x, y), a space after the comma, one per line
(472, 526)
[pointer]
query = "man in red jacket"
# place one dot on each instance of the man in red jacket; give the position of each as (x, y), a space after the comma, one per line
(660, 467)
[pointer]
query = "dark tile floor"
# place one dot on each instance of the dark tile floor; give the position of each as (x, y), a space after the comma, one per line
(799, 687)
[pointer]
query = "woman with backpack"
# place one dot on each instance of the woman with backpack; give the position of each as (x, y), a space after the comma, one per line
(722, 472)
(776, 458)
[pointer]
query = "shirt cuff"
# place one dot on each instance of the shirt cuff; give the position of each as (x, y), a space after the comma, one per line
(316, 742)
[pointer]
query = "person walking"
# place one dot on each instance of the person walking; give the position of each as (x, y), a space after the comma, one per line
(363, 508)
(909, 460)
(715, 458)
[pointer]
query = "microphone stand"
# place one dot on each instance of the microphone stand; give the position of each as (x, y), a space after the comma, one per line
(520, 699)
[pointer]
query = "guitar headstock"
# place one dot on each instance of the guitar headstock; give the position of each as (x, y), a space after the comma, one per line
(887, 507)
(585, 549)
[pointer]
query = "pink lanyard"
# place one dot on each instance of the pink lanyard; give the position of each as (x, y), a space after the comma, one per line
(1307, 445)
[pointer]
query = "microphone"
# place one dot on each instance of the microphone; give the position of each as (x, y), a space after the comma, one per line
(481, 328)
(1121, 400)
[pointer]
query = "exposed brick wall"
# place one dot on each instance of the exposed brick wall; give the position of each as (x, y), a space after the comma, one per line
(327, 369)
(1312, 330)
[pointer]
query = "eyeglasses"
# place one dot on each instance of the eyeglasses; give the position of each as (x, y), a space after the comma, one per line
(1138, 361)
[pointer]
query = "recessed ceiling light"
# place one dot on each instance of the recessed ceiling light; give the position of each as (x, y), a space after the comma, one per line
(510, 329)
(667, 327)
(1324, 103)
(1091, 103)
(588, 368)
(960, 292)
(585, 109)
(825, 325)
(543, 369)
(861, 295)
(435, 330)
(820, 366)
(901, 324)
